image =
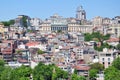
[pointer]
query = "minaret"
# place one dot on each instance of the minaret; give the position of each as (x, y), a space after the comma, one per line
(80, 13)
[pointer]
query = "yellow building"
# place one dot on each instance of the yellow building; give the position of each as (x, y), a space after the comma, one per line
(1, 28)
(115, 30)
(45, 27)
(80, 28)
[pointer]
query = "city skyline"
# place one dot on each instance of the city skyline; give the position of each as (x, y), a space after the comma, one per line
(44, 9)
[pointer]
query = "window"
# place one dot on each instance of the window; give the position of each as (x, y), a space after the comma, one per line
(108, 59)
(103, 59)
(108, 54)
(108, 63)
(116, 31)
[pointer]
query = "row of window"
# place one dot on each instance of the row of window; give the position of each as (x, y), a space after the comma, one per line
(59, 28)
(103, 59)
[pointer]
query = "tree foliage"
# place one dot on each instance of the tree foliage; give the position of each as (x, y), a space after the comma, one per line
(2, 63)
(97, 36)
(97, 66)
(8, 23)
(116, 63)
(5, 75)
(40, 51)
(40, 72)
(24, 19)
(88, 37)
(105, 45)
(77, 77)
(20, 73)
(48, 72)
(93, 74)
(118, 46)
(113, 72)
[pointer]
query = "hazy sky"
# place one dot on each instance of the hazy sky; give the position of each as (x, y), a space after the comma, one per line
(66, 8)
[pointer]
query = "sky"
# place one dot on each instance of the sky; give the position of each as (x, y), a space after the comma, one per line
(67, 8)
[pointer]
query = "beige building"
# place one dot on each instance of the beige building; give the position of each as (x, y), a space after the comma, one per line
(97, 21)
(106, 21)
(1, 28)
(115, 30)
(72, 27)
(79, 28)
(106, 57)
(45, 27)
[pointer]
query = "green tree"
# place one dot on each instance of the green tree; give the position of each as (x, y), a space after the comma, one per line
(5, 75)
(24, 78)
(93, 74)
(118, 46)
(59, 31)
(2, 66)
(48, 72)
(11, 22)
(20, 73)
(2, 63)
(97, 66)
(77, 77)
(40, 51)
(8, 23)
(75, 71)
(116, 63)
(88, 37)
(105, 45)
(24, 19)
(96, 35)
(100, 37)
(112, 73)
(42, 70)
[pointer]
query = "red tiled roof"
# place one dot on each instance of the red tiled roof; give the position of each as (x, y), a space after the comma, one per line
(7, 51)
(22, 60)
(32, 43)
(113, 40)
(81, 67)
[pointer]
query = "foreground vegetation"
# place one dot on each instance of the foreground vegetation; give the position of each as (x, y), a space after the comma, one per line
(40, 72)
(113, 72)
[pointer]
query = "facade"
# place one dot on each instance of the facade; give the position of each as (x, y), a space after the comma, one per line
(19, 21)
(45, 27)
(115, 30)
(1, 28)
(82, 70)
(7, 50)
(97, 22)
(56, 23)
(107, 21)
(106, 57)
(79, 28)
(35, 21)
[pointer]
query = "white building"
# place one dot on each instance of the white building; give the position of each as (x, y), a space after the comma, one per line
(35, 23)
(106, 57)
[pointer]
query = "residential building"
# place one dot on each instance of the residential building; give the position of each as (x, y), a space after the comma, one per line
(97, 21)
(7, 50)
(115, 30)
(2, 28)
(82, 70)
(35, 23)
(106, 57)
